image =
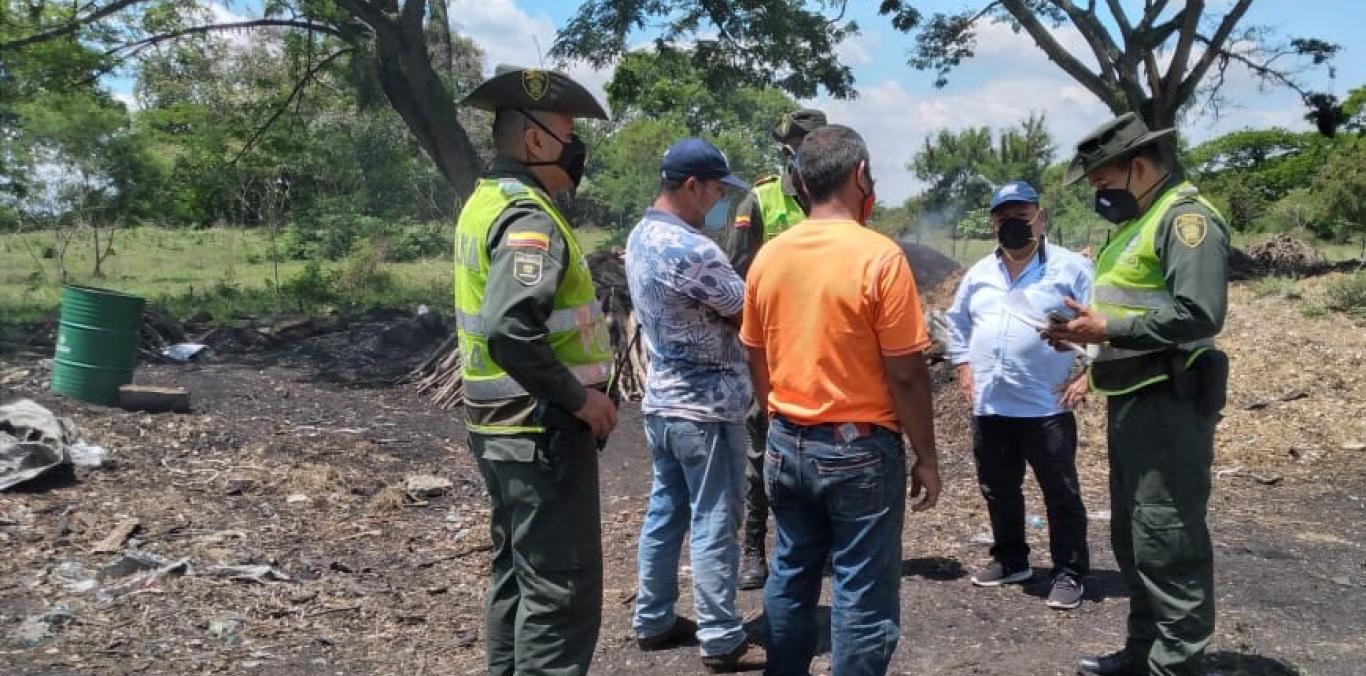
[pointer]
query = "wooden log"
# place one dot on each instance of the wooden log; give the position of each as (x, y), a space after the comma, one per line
(114, 541)
(154, 399)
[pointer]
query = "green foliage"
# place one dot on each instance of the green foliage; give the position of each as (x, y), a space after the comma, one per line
(976, 224)
(1341, 187)
(780, 43)
(311, 286)
(963, 168)
(1278, 287)
(660, 97)
(1312, 311)
(431, 240)
(1348, 294)
(1250, 170)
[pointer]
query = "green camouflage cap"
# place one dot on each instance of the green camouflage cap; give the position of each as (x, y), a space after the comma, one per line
(798, 123)
(534, 89)
(1110, 141)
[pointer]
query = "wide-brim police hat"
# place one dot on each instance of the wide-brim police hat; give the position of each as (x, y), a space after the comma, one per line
(535, 89)
(1117, 138)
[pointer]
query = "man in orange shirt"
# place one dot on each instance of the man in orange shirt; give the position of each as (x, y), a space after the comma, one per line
(836, 338)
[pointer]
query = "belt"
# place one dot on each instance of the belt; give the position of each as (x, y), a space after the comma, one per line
(844, 432)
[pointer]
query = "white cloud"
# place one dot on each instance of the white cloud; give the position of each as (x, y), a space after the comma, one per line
(509, 34)
(897, 121)
(858, 50)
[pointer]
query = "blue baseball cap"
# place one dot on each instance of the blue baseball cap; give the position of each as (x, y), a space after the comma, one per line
(695, 158)
(1015, 191)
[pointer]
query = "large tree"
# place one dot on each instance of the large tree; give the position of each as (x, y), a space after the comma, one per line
(397, 47)
(962, 168)
(1153, 59)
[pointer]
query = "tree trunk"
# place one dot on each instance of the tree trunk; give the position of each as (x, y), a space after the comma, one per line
(426, 106)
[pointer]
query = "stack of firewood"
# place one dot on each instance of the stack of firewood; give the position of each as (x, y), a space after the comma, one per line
(438, 376)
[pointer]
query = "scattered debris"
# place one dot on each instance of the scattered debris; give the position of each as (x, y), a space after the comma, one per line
(74, 576)
(38, 628)
(114, 541)
(1241, 471)
(426, 485)
(1354, 446)
(154, 399)
(258, 574)
(984, 538)
(130, 563)
(85, 454)
(32, 441)
(184, 352)
(143, 581)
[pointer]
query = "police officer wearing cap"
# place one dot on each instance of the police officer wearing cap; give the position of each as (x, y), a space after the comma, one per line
(772, 206)
(535, 357)
(1160, 296)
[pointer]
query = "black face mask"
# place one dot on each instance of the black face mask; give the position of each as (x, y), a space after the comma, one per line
(1118, 205)
(1015, 233)
(573, 153)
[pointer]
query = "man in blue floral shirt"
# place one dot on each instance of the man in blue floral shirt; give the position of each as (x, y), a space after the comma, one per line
(688, 300)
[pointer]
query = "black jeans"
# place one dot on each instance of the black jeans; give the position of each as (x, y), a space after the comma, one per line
(1002, 446)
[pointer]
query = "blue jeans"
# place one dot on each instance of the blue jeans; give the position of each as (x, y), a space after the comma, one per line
(699, 485)
(848, 499)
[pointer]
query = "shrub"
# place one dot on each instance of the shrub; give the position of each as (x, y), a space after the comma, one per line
(1280, 287)
(310, 285)
(1348, 294)
(431, 240)
(364, 274)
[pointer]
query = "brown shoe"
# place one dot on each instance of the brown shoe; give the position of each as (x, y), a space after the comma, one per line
(747, 657)
(683, 631)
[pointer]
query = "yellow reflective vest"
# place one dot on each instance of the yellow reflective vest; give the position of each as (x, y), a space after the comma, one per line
(1130, 282)
(577, 327)
(779, 210)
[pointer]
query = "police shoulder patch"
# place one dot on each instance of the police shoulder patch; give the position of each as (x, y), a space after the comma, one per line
(1191, 229)
(527, 267)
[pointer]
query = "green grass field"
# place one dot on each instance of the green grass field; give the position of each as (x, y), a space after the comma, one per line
(226, 272)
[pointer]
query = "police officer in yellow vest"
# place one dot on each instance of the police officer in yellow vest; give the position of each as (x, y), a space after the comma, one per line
(535, 357)
(772, 206)
(1160, 294)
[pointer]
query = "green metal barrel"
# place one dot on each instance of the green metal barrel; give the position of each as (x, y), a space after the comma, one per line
(97, 344)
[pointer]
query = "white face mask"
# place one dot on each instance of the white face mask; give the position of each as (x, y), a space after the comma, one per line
(718, 216)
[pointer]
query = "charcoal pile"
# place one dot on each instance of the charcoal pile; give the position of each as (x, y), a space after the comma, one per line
(1286, 256)
(159, 331)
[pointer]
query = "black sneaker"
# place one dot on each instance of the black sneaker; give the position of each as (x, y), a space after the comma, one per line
(1067, 592)
(996, 574)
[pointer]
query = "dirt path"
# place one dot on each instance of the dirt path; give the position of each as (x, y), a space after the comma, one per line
(287, 465)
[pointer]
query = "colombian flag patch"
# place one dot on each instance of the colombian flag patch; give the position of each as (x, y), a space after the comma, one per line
(529, 240)
(742, 221)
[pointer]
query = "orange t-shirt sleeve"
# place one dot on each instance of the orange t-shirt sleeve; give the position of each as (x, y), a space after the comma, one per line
(751, 331)
(897, 320)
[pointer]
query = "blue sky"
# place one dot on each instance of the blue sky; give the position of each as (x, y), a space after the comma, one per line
(1007, 80)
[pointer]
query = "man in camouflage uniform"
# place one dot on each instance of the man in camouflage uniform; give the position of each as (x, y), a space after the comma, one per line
(772, 206)
(1160, 295)
(535, 358)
